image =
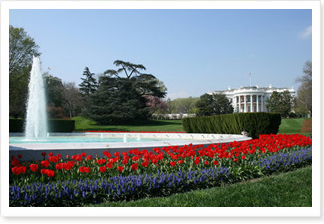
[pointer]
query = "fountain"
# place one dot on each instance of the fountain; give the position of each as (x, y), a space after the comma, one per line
(36, 119)
(36, 138)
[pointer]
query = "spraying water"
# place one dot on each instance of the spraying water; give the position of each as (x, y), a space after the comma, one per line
(36, 120)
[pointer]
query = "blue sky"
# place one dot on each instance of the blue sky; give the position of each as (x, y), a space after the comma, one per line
(192, 51)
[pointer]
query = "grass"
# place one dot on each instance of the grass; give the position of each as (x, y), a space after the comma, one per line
(292, 125)
(291, 189)
(288, 126)
(82, 123)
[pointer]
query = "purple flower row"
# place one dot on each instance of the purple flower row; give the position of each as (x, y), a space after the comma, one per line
(284, 161)
(78, 192)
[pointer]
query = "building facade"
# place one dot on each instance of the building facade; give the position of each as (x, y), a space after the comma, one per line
(252, 98)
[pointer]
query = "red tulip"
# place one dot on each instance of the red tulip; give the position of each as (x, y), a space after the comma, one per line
(120, 169)
(87, 169)
(45, 163)
(107, 154)
(16, 170)
(134, 166)
(102, 169)
(15, 162)
(50, 173)
(101, 161)
(33, 167)
(59, 166)
(109, 165)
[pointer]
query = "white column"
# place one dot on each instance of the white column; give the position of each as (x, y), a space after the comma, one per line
(245, 104)
(257, 101)
(262, 103)
(239, 108)
(251, 105)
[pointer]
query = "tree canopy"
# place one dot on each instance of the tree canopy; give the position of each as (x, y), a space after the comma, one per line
(280, 102)
(124, 100)
(22, 47)
(213, 105)
(182, 105)
(89, 84)
(303, 102)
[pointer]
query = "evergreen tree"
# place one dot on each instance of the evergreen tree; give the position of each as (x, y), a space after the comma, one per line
(117, 102)
(89, 84)
(124, 100)
(221, 104)
(214, 104)
(280, 103)
(204, 105)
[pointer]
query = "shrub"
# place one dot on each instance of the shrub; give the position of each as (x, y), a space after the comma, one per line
(59, 125)
(55, 125)
(16, 125)
(253, 123)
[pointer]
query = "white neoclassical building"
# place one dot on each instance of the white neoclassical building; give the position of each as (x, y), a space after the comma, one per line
(252, 98)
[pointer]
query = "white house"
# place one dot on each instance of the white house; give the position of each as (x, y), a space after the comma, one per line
(252, 98)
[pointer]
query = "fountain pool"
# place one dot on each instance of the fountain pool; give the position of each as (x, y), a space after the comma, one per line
(36, 140)
(96, 143)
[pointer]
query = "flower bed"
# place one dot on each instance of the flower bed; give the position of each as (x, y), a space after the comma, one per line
(79, 179)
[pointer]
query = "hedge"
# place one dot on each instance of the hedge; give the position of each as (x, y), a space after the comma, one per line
(253, 123)
(54, 125)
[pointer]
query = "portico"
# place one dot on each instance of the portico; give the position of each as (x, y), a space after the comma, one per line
(252, 98)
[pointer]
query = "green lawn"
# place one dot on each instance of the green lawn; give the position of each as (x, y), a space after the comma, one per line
(292, 189)
(82, 123)
(292, 126)
(288, 126)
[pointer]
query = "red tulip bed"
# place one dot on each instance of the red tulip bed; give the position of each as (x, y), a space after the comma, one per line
(80, 179)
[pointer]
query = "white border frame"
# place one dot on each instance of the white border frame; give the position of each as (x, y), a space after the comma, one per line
(7, 211)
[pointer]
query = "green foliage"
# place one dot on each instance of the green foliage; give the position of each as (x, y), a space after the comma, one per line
(16, 125)
(253, 123)
(22, 47)
(213, 105)
(121, 100)
(182, 105)
(89, 84)
(280, 103)
(18, 92)
(61, 125)
(303, 103)
(54, 90)
(55, 125)
(116, 102)
(204, 105)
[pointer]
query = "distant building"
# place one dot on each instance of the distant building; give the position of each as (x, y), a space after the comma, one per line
(252, 98)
